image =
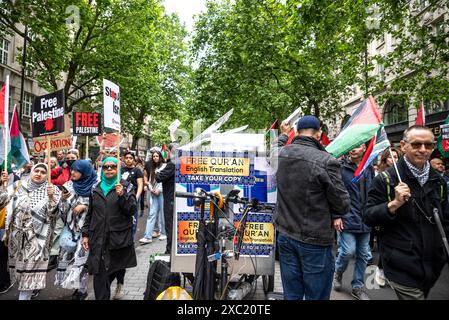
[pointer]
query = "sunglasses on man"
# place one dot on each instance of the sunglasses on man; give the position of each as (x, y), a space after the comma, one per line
(417, 145)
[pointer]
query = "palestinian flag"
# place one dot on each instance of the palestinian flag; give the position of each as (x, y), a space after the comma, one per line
(377, 145)
(19, 152)
(324, 139)
(361, 127)
(421, 117)
(164, 151)
(4, 94)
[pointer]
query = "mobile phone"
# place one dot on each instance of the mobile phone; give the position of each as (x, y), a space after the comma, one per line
(63, 189)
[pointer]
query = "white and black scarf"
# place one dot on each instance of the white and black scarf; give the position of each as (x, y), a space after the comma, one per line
(422, 175)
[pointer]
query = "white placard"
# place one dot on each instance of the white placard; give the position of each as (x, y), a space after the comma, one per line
(237, 141)
(111, 102)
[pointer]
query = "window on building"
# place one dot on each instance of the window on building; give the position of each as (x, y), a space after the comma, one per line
(381, 72)
(4, 51)
(436, 106)
(381, 40)
(395, 112)
(27, 104)
(423, 4)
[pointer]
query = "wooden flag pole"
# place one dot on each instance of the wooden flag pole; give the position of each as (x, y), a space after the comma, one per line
(87, 147)
(48, 160)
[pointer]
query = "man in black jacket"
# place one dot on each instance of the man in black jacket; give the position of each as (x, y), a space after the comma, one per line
(310, 187)
(411, 245)
(167, 177)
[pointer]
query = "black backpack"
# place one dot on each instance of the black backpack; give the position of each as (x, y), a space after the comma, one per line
(160, 278)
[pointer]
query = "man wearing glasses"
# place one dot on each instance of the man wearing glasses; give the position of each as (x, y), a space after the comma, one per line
(411, 245)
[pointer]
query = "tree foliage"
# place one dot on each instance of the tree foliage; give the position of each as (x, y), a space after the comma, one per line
(267, 58)
(74, 44)
(420, 59)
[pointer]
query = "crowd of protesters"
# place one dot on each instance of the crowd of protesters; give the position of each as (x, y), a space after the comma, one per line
(80, 218)
(399, 204)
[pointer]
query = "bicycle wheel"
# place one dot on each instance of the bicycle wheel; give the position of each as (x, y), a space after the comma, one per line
(268, 283)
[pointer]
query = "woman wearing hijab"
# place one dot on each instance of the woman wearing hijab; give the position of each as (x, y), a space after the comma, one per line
(32, 216)
(107, 230)
(73, 208)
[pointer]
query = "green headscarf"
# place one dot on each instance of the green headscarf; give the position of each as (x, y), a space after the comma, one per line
(107, 184)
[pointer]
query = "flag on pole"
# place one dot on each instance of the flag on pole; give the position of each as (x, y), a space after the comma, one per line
(377, 145)
(19, 151)
(5, 144)
(363, 124)
(274, 125)
(164, 151)
(2, 105)
(324, 139)
(421, 117)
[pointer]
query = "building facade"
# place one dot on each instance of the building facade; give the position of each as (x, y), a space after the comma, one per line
(397, 115)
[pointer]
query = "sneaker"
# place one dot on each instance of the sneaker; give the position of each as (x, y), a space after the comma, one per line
(379, 277)
(337, 281)
(119, 294)
(77, 295)
(156, 234)
(162, 237)
(6, 287)
(145, 241)
(359, 294)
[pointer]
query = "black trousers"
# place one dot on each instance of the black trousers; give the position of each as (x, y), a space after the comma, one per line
(119, 275)
(4, 273)
(168, 217)
(102, 284)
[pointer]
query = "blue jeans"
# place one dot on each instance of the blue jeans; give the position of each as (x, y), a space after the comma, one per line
(306, 269)
(156, 209)
(353, 245)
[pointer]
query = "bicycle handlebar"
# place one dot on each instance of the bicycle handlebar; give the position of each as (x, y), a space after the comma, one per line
(181, 194)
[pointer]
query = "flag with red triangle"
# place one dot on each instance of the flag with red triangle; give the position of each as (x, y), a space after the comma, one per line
(4, 134)
(19, 151)
(365, 121)
(324, 139)
(164, 151)
(376, 146)
(2, 106)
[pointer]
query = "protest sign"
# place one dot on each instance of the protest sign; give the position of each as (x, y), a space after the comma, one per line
(86, 124)
(111, 102)
(47, 116)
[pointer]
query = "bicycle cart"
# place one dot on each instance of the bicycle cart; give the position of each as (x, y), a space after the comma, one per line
(221, 254)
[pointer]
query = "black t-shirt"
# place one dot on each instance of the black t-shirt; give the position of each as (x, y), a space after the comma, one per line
(131, 175)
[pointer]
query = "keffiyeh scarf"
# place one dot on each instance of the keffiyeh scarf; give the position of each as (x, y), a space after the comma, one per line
(422, 175)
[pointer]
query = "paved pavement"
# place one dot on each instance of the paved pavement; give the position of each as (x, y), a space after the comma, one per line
(135, 280)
